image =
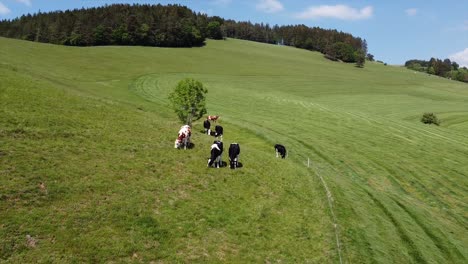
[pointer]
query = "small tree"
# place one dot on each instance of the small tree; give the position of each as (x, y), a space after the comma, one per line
(188, 100)
(430, 118)
(360, 58)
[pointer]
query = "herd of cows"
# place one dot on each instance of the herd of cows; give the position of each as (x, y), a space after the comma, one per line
(185, 132)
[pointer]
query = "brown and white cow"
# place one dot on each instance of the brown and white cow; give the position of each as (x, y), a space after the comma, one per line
(183, 138)
(213, 118)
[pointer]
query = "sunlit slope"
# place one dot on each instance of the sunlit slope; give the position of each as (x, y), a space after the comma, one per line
(398, 187)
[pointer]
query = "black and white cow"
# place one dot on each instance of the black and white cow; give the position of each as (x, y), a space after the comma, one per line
(216, 152)
(219, 132)
(280, 149)
(234, 151)
(207, 126)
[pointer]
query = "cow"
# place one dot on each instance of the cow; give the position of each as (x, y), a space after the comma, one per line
(183, 137)
(280, 149)
(207, 125)
(219, 132)
(234, 152)
(216, 152)
(182, 140)
(221, 147)
(213, 118)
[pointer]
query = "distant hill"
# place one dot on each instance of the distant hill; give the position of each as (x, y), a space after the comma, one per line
(446, 68)
(169, 26)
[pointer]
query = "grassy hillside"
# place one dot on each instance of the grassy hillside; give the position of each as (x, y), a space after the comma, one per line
(92, 125)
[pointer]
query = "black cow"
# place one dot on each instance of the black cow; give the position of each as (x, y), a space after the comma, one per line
(216, 152)
(281, 150)
(219, 132)
(207, 126)
(234, 151)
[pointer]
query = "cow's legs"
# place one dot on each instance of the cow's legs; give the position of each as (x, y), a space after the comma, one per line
(211, 160)
(276, 152)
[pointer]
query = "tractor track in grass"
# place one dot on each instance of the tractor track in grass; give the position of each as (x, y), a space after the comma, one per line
(438, 242)
(370, 120)
(402, 233)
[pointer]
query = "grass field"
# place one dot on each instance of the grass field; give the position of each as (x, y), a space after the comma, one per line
(92, 125)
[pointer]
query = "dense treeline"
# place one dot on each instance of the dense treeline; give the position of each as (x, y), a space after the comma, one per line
(444, 68)
(170, 26)
(336, 44)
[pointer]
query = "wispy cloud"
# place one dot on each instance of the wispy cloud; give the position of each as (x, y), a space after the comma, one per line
(269, 6)
(3, 9)
(411, 11)
(342, 12)
(26, 2)
(221, 2)
(460, 27)
(464, 26)
(460, 57)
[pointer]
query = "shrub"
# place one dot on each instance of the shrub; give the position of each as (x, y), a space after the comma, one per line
(430, 118)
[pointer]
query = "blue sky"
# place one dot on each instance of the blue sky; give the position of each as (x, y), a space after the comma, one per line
(395, 30)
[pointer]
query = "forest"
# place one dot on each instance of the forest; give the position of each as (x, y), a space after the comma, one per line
(171, 26)
(443, 68)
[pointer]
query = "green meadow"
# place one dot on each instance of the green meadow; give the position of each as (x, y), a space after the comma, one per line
(89, 173)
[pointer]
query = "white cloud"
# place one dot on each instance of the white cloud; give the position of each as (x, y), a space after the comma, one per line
(342, 12)
(460, 57)
(269, 6)
(3, 9)
(411, 11)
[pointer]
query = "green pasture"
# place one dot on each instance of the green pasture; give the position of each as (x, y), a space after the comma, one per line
(93, 126)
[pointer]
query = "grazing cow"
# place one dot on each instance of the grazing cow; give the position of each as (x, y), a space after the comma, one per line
(182, 140)
(183, 137)
(207, 125)
(213, 118)
(234, 151)
(219, 132)
(221, 147)
(280, 149)
(216, 152)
